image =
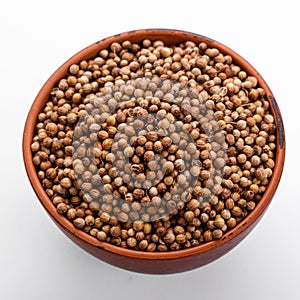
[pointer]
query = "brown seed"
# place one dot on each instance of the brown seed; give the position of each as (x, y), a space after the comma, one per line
(189, 216)
(120, 117)
(71, 213)
(241, 125)
(51, 129)
(207, 236)
(250, 205)
(62, 208)
(143, 244)
(129, 151)
(147, 228)
(111, 121)
(79, 223)
(180, 238)
(66, 183)
(195, 170)
(115, 231)
(51, 173)
(107, 144)
(204, 218)
(236, 211)
(151, 247)
(104, 217)
(138, 225)
(219, 162)
(261, 174)
(219, 222)
(166, 141)
(138, 193)
(231, 223)
(158, 147)
(169, 238)
(74, 69)
(89, 220)
(103, 135)
(35, 146)
(165, 51)
(168, 167)
(76, 98)
(217, 234)
(152, 136)
(101, 236)
(226, 212)
(193, 204)
(148, 155)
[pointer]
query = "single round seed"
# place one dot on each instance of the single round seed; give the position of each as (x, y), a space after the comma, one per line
(79, 223)
(217, 234)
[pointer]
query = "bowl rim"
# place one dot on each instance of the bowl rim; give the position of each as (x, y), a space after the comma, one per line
(138, 35)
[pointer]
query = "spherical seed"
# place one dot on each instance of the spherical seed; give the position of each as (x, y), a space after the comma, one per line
(219, 222)
(158, 147)
(217, 234)
(51, 129)
(207, 236)
(231, 223)
(189, 216)
(166, 141)
(66, 183)
(138, 225)
(226, 213)
(151, 247)
(241, 125)
(62, 208)
(168, 167)
(250, 205)
(79, 223)
(242, 158)
(71, 213)
(165, 51)
(143, 244)
(219, 162)
(169, 238)
(268, 119)
(270, 163)
(115, 231)
(101, 236)
(89, 220)
(148, 155)
(204, 218)
(147, 228)
(104, 217)
(129, 151)
(261, 174)
(236, 211)
(138, 193)
(193, 204)
(35, 146)
(180, 238)
(195, 170)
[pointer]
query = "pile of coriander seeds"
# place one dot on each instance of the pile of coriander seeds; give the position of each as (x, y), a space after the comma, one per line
(154, 147)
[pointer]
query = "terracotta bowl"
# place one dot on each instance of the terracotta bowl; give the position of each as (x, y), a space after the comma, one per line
(145, 262)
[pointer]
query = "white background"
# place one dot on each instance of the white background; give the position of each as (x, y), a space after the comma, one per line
(36, 260)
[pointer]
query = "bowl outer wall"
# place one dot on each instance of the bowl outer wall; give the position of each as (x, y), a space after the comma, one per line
(145, 262)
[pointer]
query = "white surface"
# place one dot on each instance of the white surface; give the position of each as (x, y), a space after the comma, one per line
(36, 260)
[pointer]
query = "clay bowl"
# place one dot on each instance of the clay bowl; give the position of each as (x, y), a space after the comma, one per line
(145, 262)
